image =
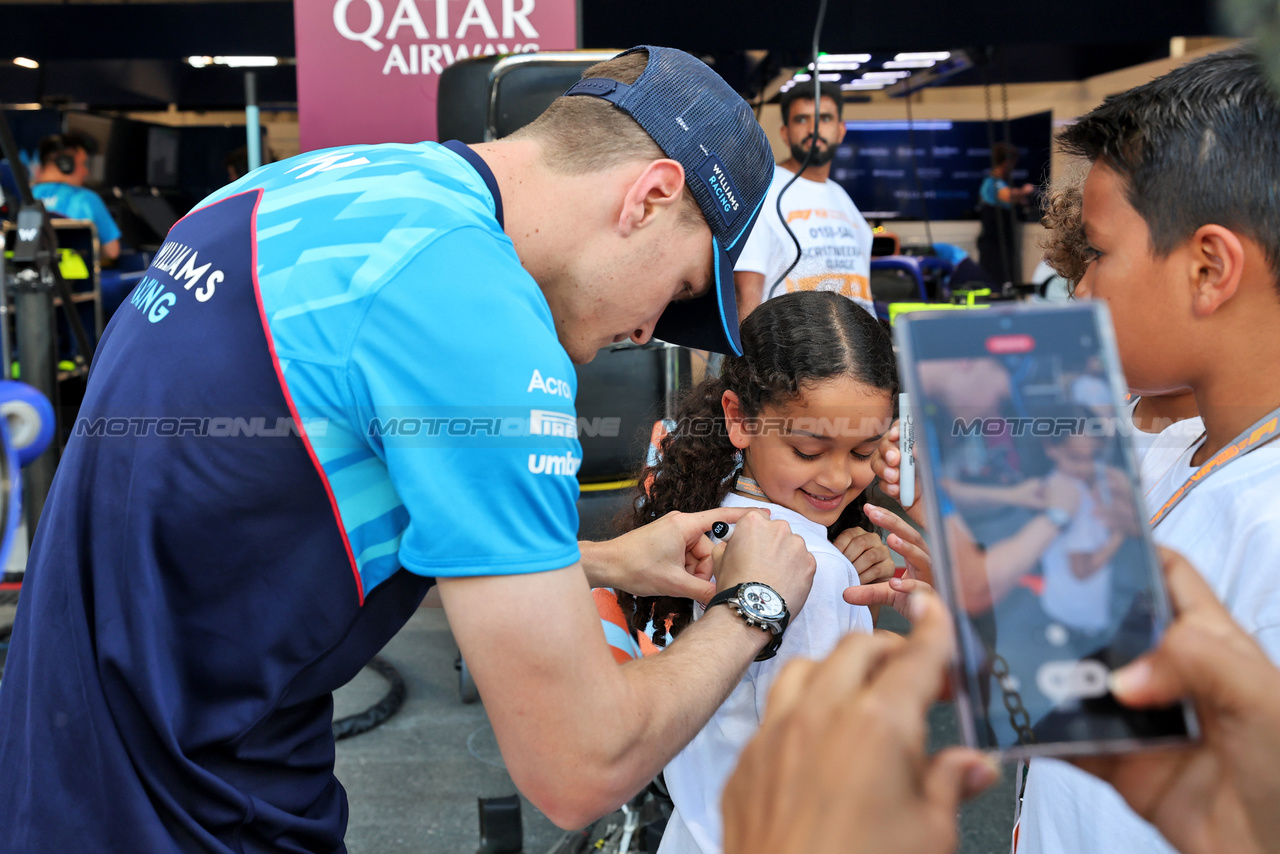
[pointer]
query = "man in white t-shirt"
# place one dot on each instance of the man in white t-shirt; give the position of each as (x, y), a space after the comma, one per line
(834, 238)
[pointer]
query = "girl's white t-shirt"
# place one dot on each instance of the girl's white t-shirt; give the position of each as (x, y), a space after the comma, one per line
(697, 775)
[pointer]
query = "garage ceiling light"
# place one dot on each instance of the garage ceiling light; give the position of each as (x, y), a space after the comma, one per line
(936, 56)
(910, 63)
(233, 61)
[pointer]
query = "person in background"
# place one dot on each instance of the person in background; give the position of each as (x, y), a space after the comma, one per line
(835, 240)
(997, 201)
(59, 183)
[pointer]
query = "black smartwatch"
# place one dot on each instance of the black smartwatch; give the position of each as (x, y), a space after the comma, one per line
(760, 605)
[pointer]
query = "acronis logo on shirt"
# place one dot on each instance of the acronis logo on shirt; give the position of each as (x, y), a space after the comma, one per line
(716, 177)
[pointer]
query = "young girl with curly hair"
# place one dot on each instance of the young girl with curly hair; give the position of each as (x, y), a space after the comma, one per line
(789, 427)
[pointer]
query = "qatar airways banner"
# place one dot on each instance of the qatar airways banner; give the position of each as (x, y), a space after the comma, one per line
(368, 69)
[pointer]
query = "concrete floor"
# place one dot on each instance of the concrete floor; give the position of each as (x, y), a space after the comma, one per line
(413, 782)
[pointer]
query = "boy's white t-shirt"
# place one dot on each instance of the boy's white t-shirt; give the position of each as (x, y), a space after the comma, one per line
(834, 237)
(1229, 528)
(697, 775)
(1157, 452)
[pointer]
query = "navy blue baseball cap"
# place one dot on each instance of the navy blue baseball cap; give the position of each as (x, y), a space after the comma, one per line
(701, 123)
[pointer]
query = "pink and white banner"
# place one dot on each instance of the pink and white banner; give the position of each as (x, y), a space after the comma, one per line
(368, 69)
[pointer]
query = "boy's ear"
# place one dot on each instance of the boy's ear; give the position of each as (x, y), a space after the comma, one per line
(734, 419)
(1218, 258)
(655, 189)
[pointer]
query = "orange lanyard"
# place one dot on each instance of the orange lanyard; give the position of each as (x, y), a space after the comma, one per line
(1255, 437)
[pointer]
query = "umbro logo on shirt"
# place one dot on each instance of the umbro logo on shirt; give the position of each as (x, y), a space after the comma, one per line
(564, 465)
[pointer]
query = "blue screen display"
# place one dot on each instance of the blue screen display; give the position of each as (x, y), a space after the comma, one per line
(875, 166)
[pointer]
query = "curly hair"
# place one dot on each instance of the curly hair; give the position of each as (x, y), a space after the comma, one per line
(1065, 246)
(788, 342)
(1198, 145)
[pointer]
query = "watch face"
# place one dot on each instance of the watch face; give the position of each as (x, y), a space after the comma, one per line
(761, 600)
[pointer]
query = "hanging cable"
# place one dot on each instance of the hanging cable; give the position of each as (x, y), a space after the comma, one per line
(1002, 239)
(1010, 252)
(1004, 96)
(764, 84)
(808, 156)
(915, 171)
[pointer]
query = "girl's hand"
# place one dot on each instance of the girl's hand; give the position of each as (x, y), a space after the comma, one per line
(895, 593)
(905, 540)
(869, 556)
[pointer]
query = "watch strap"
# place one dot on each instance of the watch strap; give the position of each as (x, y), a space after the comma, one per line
(722, 597)
(771, 648)
(775, 640)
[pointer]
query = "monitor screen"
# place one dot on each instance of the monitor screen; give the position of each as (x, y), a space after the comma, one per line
(875, 164)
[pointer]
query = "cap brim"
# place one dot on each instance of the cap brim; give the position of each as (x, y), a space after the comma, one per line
(709, 322)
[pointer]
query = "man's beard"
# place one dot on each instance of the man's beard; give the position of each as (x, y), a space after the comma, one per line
(821, 155)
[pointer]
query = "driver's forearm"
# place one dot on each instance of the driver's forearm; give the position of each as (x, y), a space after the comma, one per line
(602, 562)
(695, 673)
(609, 739)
